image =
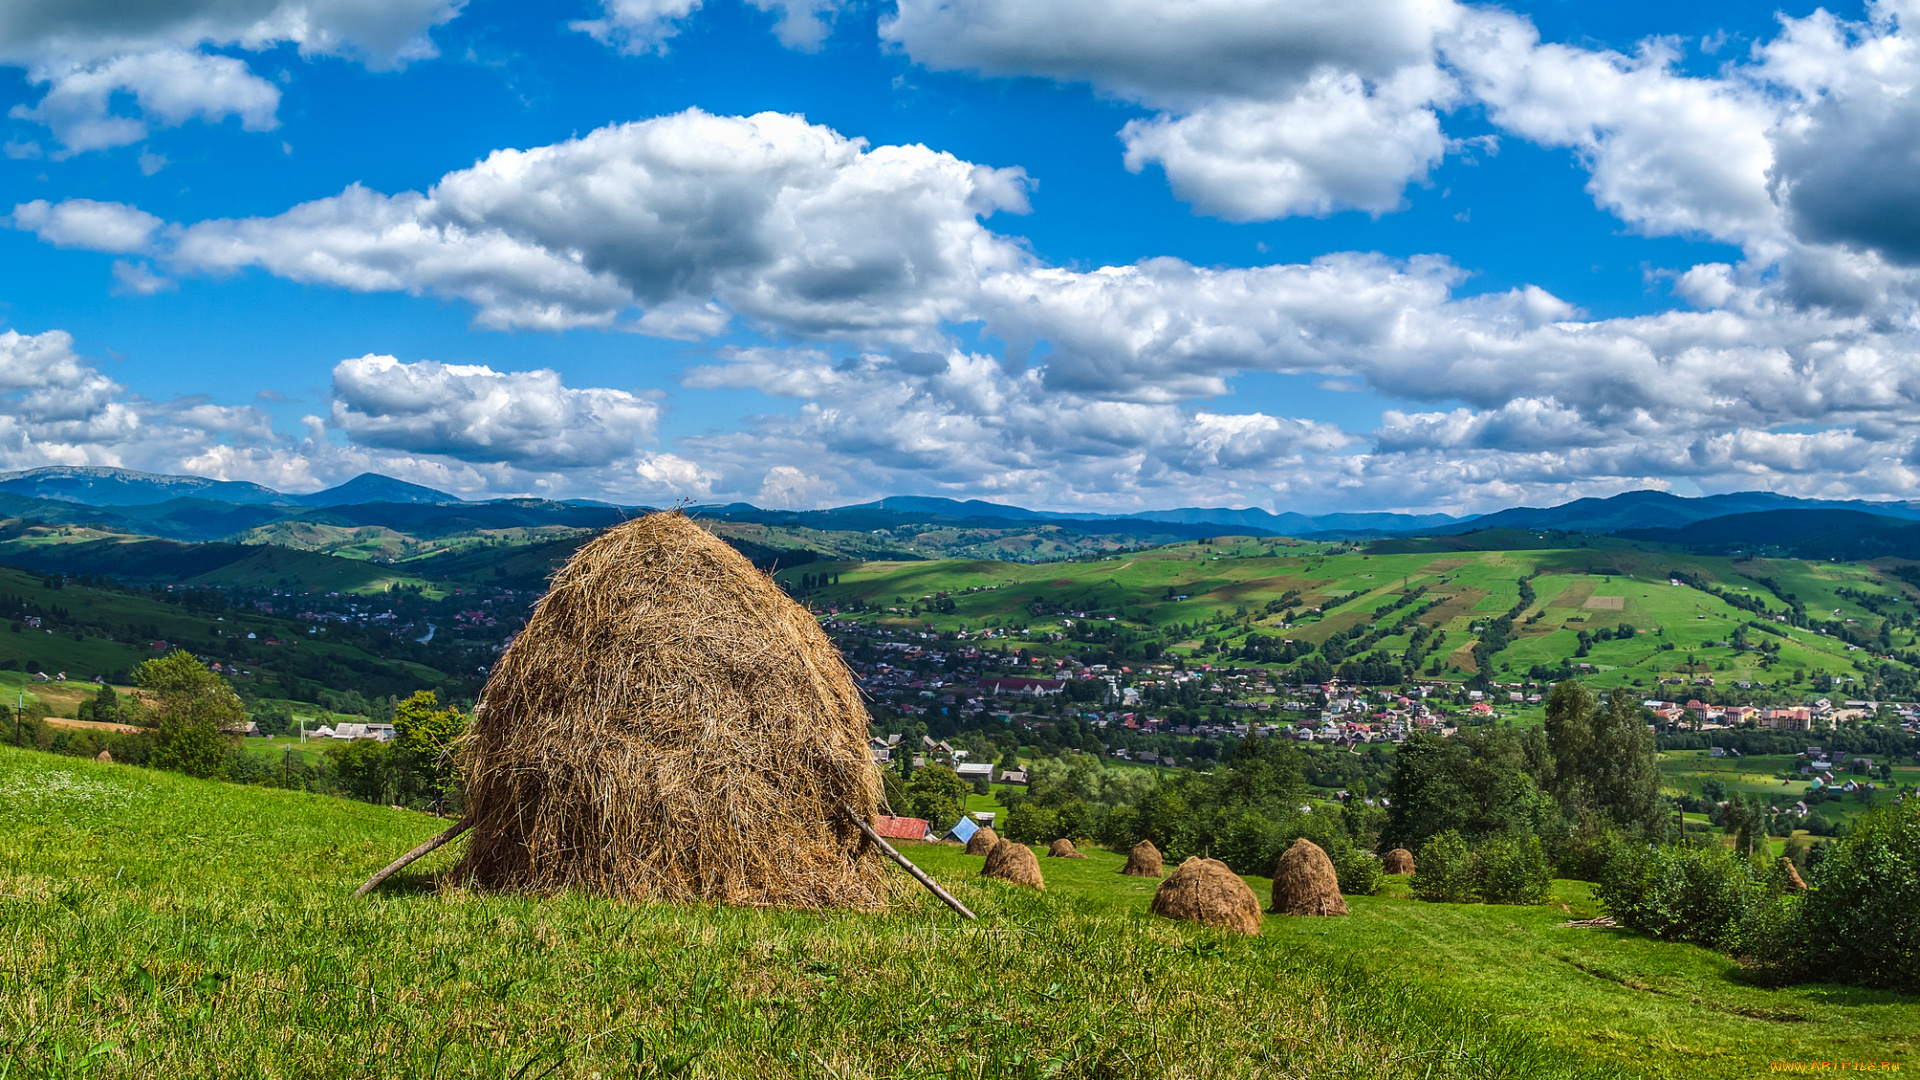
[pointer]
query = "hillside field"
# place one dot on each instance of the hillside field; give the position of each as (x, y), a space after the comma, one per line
(154, 925)
(1231, 588)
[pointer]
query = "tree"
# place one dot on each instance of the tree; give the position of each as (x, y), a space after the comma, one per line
(938, 795)
(105, 706)
(194, 710)
(1477, 783)
(424, 737)
(1746, 820)
(1604, 761)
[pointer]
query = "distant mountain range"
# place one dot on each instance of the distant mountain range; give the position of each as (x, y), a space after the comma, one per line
(1260, 522)
(1660, 510)
(197, 509)
(94, 485)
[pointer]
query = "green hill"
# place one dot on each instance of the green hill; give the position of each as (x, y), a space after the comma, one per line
(87, 631)
(160, 926)
(1243, 595)
(155, 925)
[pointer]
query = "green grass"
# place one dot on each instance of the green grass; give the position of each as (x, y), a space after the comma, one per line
(152, 925)
(1662, 1009)
(1229, 584)
(1685, 770)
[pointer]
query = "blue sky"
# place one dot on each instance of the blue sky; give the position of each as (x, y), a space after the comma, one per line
(1380, 254)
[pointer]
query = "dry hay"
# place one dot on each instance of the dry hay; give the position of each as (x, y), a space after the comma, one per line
(1399, 861)
(1143, 861)
(671, 726)
(1789, 875)
(1063, 849)
(1304, 882)
(982, 840)
(104, 758)
(1013, 862)
(1205, 891)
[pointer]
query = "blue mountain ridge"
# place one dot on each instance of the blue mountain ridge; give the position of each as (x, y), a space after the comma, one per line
(196, 507)
(97, 485)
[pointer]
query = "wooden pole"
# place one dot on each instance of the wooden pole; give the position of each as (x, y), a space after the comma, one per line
(394, 867)
(919, 874)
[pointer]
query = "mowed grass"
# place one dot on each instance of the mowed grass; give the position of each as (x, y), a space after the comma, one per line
(1657, 1008)
(152, 925)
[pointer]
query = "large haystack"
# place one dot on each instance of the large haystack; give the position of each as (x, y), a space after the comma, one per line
(1143, 861)
(1013, 862)
(1063, 849)
(671, 726)
(982, 840)
(1304, 882)
(104, 758)
(1399, 861)
(1205, 891)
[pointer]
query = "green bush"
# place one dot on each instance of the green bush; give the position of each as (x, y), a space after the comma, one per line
(1445, 870)
(1360, 872)
(1512, 870)
(1698, 893)
(1251, 843)
(1030, 823)
(1584, 855)
(1860, 920)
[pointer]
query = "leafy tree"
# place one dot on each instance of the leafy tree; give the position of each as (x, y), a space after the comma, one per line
(424, 738)
(1605, 765)
(105, 706)
(1746, 819)
(1444, 873)
(1477, 784)
(365, 769)
(193, 709)
(937, 794)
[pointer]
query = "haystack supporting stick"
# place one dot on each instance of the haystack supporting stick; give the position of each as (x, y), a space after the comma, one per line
(393, 868)
(919, 874)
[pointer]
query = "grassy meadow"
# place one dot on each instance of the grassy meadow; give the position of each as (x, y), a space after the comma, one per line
(154, 925)
(1226, 585)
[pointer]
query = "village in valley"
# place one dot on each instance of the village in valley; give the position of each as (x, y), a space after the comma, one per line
(959, 539)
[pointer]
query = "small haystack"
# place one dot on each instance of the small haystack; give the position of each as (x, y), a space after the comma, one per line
(982, 840)
(104, 758)
(1063, 849)
(1789, 876)
(1304, 882)
(670, 725)
(1205, 891)
(1143, 861)
(1013, 862)
(1399, 861)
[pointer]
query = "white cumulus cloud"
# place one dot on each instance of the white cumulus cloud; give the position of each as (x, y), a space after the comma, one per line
(86, 51)
(473, 413)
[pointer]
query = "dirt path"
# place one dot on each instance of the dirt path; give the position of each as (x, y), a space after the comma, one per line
(61, 721)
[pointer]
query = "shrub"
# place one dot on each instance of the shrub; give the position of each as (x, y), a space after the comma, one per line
(1513, 870)
(1860, 920)
(1251, 843)
(1360, 872)
(1445, 870)
(1030, 823)
(1696, 893)
(1584, 855)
